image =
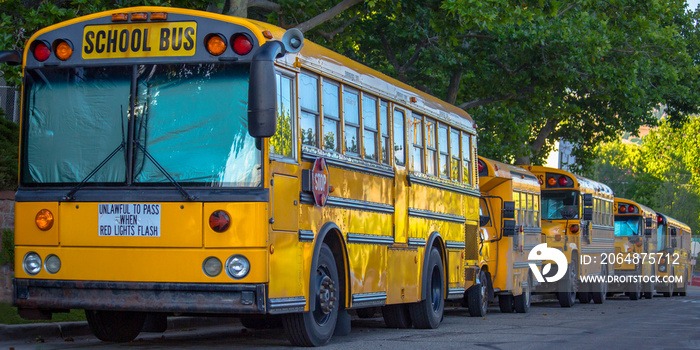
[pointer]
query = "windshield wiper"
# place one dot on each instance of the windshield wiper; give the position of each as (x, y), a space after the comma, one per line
(165, 172)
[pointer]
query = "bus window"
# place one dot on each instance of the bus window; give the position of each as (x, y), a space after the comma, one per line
(467, 156)
(308, 101)
(456, 157)
(399, 137)
(430, 147)
(281, 142)
(516, 199)
(536, 206)
(417, 136)
(384, 126)
(331, 116)
(351, 117)
(443, 146)
(530, 211)
(627, 226)
(661, 238)
(484, 210)
(369, 125)
(556, 203)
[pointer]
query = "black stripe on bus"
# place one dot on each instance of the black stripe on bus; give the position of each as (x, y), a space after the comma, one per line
(143, 194)
(431, 215)
(359, 238)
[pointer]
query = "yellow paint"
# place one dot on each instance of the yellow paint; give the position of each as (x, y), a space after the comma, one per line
(143, 264)
(26, 231)
(132, 40)
(285, 203)
(403, 281)
(287, 278)
(248, 225)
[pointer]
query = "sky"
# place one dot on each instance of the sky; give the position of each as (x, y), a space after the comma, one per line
(692, 4)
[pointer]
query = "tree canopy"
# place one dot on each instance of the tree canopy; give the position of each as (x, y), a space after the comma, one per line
(529, 72)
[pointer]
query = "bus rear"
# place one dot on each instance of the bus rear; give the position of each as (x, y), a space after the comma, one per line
(142, 186)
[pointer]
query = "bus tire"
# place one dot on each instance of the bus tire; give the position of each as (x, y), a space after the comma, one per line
(567, 296)
(427, 314)
(636, 292)
(584, 297)
(478, 297)
(669, 293)
(522, 302)
(316, 327)
(397, 316)
(115, 326)
(648, 295)
(505, 303)
(601, 289)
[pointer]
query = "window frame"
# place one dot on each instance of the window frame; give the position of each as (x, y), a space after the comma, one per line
(366, 129)
(317, 114)
(292, 110)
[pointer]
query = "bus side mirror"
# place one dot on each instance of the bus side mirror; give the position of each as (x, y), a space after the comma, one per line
(588, 213)
(12, 58)
(647, 232)
(262, 90)
(648, 222)
(509, 228)
(484, 220)
(587, 200)
(509, 210)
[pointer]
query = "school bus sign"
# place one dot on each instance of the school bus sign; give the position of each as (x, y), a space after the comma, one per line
(139, 40)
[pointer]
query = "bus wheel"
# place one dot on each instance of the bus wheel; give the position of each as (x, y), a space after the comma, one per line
(522, 301)
(115, 326)
(649, 295)
(316, 327)
(397, 316)
(478, 297)
(670, 291)
(601, 292)
(567, 295)
(636, 291)
(427, 314)
(584, 297)
(505, 303)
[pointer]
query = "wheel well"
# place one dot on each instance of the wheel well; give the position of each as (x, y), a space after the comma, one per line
(489, 281)
(334, 241)
(436, 241)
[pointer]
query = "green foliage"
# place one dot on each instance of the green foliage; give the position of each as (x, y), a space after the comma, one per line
(662, 173)
(9, 148)
(281, 142)
(7, 254)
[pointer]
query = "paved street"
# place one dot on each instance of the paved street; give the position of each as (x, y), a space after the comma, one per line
(660, 323)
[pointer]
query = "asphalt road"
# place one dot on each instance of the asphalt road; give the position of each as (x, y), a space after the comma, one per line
(660, 323)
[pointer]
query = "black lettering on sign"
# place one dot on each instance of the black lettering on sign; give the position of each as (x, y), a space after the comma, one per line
(99, 47)
(136, 40)
(189, 44)
(124, 40)
(146, 46)
(112, 41)
(164, 39)
(177, 38)
(89, 46)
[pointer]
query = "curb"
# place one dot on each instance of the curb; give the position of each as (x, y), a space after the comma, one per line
(64, 330)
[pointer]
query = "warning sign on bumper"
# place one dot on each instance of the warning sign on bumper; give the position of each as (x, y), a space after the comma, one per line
(129, 220)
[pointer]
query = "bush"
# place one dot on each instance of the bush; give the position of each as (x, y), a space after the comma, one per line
(9, 147)
(7, 254)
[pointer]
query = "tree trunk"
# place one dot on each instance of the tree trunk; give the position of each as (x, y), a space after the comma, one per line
(540, 140)
(238, 8)
(453, 89)
(327, 15)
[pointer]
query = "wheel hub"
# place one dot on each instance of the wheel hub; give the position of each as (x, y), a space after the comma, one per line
(326, 298)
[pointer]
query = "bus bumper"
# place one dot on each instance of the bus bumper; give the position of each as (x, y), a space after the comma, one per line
(35, 298)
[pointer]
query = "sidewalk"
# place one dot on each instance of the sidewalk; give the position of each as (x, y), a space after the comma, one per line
(64, 330)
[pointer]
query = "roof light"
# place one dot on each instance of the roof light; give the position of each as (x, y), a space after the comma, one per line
(267, 34)
(139, 16)
(119, 17)
(41, 51)
(241, 44)
(622, 209)
(216, 44)
(159, 16)
(63, 49)
(563, 181)
(659, 219)
(551, 181)
(481, 166)
(630, 209)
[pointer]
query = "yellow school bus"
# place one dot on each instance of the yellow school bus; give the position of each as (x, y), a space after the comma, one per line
(177, 161)
(577, 220)
(673, 258)
(507, 192)
(635, 244)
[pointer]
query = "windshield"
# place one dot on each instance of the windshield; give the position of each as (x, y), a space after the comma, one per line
(191, 119)
(559, 205)
(627, 226)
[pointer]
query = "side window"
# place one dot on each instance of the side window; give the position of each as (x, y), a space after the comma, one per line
(444, 149)
(282, 142)
(530, 211)
(308, 101)
(369, 125)
(384, 131)
(456, 157)
(484, 210)
(431, 147)
(516, 199)
(416, 129)
(536, 206)
(331, 116)
(351, 116)
(523, 209)
(467, 157)
(399, 135)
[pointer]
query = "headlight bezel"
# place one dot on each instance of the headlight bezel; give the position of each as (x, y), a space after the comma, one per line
(239, 260)
(25, 263)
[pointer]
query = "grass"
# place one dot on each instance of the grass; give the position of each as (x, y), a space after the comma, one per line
(9, 315)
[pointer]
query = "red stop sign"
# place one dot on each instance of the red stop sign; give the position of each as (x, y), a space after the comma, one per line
(319, 181)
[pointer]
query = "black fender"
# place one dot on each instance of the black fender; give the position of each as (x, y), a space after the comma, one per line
(328, 227)
(434, 240)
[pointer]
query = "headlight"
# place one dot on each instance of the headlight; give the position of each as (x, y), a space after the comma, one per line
(662, 268)
(237, 266)
(52, 264)
(32, 263)
(212, 266)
